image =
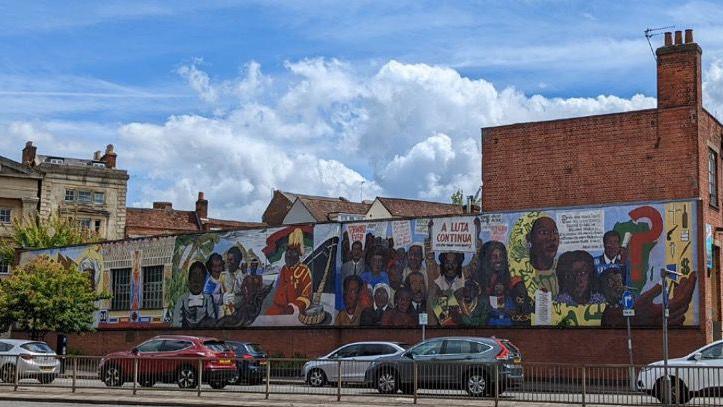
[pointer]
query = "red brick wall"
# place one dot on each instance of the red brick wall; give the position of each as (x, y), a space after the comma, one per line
(593, 346)
(634, 156)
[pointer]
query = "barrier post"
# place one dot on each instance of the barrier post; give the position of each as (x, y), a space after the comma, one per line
(584, 385)
(416, 377)
(497, 384)
(17, 372)
(75, 371)
(338, 382)
(135, 374)
(268, 376)
(200, 376)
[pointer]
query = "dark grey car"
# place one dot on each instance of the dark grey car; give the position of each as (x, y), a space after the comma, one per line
(468, 363)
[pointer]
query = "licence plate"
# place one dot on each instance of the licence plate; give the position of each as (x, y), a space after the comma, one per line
(262, 362)
(46, 368)
(225, 361)
(518, 361)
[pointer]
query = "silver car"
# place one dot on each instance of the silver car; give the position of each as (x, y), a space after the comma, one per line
(353, 360)
(31, 359)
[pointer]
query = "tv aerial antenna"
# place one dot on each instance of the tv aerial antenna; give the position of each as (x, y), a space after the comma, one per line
(652, 32)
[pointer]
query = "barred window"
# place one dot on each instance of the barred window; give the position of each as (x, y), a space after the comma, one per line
(713, 177)
(4, 267)
(121, 279)
(152, 287)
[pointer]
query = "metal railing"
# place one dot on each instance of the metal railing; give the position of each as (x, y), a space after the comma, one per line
(434, 377)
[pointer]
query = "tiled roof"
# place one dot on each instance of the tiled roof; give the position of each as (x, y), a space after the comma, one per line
(321, 208)
(212, 223)
(411, 208)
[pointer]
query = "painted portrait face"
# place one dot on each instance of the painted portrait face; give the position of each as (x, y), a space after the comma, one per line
(449, 265)
(381, 298)
(216, 267)
(232, 261)
(291, 257)
(404, 300)
(612, 246)
(581, 272)
(614, 287)
(351, 294)
(497, 260)
(416, 284)
(356, 251)
(254, 266)
(470, 291)
(196, 279)
(414, 257)
(377, 263)
(544, 239)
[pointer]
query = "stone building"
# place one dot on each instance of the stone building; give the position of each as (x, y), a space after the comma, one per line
(19, 197)
(89, 191)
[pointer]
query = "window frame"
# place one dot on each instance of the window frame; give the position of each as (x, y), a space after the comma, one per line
(152, 297)
(121, 291)
(8, 214)
(83, 200)
(713, 196)
(4, 268)
(96, 194)
(70, 193)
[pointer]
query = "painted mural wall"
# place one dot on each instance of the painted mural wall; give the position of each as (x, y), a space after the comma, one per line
(565, 267)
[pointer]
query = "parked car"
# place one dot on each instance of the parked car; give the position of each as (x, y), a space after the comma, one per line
(697, 374)
(353, 359)
(455, 362)
(250, 362)
(31, 359)
(171, 359)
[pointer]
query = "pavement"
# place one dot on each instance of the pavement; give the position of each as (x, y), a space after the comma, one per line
(168, 396)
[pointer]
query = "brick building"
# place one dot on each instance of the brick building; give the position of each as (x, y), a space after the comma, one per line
(669, 152)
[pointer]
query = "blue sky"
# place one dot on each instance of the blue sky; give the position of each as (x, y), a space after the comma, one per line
(238, 98)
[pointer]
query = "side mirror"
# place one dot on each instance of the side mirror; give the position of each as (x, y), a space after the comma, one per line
(698, 356)
(134, 351)
(409, 355)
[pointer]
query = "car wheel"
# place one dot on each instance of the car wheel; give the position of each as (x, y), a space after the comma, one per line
(187, 377)
(7, 373)
(46, 379)
(679, 393)
(217, 384)
(316, 378)
(112, 376)
(387, 382)
(476, 383)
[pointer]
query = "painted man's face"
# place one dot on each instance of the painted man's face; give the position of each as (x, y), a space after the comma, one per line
(356, 251)
(291, 258)
(416, 284)
(497, 260)
(404, 301)
(351, 295)
(581, 273)
(216, 267)
(196, 280)
(450, 265)
(414, 257)
(612, 247)
(377, 263)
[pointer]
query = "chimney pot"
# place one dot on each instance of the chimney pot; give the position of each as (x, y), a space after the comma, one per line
(678, 37)
(668, 39)
(29, 154)
(688, 36)
(110, 157)
(201, 196)
(96, 156)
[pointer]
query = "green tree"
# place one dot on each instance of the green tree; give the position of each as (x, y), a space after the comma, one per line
(37, 233)
(457, 198)
(46, 296)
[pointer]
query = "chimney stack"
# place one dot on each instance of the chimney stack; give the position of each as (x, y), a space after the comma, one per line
(162, 205)
(202, 206)
(96, 156)
(29, 154)
(109, 158)
(679, 71)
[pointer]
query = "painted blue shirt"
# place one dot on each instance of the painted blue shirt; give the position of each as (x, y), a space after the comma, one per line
(372, 280)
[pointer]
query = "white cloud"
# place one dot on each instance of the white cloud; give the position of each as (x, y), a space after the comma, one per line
(323, 127)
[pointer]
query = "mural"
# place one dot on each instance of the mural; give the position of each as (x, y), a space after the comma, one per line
(264, 277)
(565, 267)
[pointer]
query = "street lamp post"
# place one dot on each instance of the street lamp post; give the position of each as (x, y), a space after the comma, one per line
(666, 377)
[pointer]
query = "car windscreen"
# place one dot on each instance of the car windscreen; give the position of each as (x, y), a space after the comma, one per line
(37, 347)
(216, 346)
(254, 348)
(404, 345)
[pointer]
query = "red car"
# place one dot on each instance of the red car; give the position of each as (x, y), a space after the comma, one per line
(171, 359)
